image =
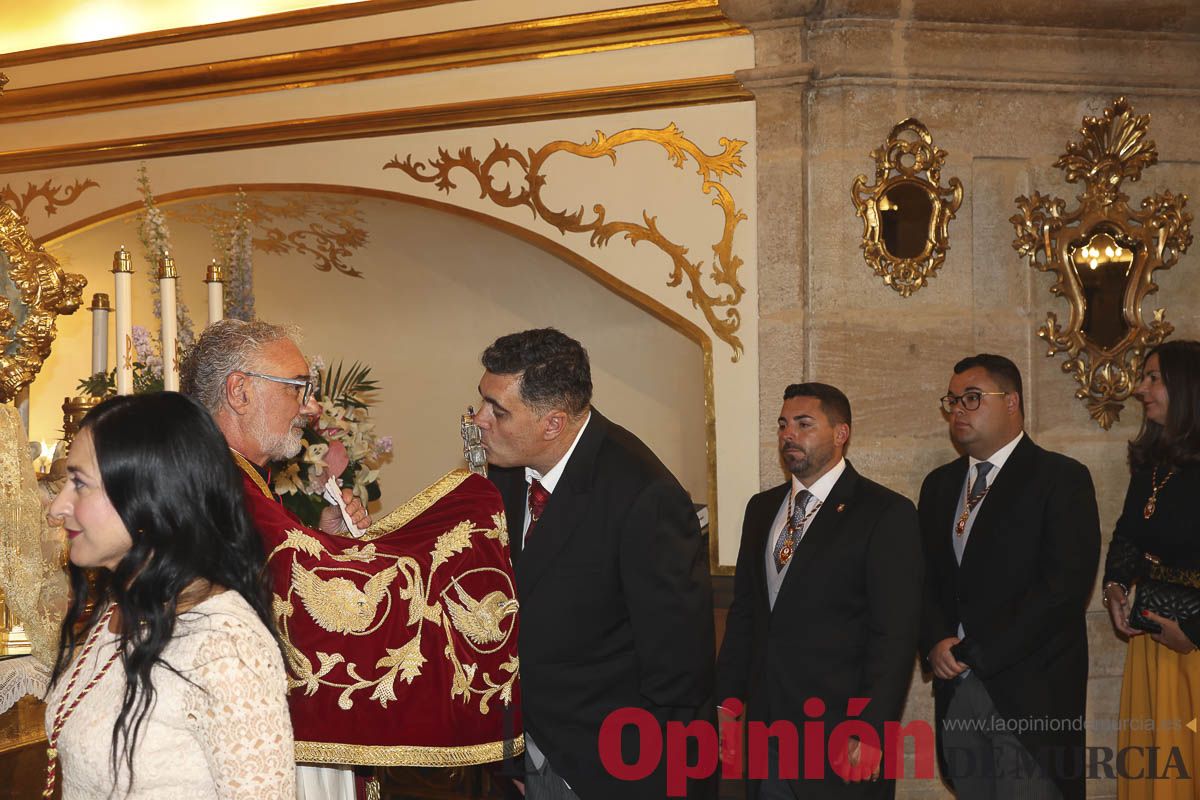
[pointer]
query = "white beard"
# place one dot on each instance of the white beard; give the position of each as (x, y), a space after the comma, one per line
(280, 447)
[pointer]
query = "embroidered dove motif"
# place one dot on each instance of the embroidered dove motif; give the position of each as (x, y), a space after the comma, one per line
(336, 604)
(479, 620)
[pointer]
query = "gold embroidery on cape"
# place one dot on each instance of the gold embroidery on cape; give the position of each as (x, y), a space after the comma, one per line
(480, 620)
(249, 469)
(336, 604)
(408, 755)
(420, 502)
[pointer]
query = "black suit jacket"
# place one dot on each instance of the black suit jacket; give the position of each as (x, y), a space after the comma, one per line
(1021, 592)
(616, 606)
(845, 620)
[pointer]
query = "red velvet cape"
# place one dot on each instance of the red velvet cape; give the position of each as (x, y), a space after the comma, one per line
(401, 646)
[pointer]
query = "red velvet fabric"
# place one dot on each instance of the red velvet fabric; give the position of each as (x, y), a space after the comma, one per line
(401, 646)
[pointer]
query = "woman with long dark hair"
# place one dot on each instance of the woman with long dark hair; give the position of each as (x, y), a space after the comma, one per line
(1156, 545)
(169, 682)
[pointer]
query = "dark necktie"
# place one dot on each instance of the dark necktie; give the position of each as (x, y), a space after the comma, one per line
(792, 531)
(537, 504)
(980, 486)
(974, 497)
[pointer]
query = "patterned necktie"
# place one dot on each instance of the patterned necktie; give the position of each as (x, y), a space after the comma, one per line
(980, 486)
(974, 497)
(537, 504)
(792, 531)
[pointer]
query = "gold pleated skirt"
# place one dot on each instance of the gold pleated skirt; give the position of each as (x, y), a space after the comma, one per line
(1160, 696)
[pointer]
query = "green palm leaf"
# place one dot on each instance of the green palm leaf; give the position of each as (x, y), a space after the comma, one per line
(348, 386)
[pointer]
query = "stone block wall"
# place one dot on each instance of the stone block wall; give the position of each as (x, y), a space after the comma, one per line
(1002, 89)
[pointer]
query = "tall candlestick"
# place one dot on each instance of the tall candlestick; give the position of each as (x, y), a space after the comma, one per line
(170, 322)
(99, 309)
(123, 292)
(216, 292)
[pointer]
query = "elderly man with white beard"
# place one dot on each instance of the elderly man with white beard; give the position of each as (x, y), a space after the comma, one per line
(258, 386)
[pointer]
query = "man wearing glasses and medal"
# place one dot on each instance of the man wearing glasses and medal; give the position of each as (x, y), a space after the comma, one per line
(1012, 541)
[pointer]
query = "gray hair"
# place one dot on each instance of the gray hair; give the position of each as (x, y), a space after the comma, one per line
(225, 347)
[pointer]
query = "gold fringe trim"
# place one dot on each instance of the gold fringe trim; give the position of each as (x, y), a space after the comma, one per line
(408, 755)
(417, 505)
(248, 468)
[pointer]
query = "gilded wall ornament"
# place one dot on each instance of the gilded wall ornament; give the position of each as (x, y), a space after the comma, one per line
(330, 229)
(718, 304)
(1104, 254)
(34, 290)
(906, 215)
(55, 196)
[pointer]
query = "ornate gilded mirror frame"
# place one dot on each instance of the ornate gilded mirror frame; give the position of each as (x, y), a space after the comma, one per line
(34, 290)
(1105, 356)
(906, 215)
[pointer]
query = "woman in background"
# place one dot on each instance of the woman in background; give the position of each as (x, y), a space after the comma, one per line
(1161, 518)
(169, 683)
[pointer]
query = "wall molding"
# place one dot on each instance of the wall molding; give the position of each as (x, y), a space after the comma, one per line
(552, 37)
(266, 22)
(498, 111)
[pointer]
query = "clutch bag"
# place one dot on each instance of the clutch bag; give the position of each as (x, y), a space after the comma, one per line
(1168, 592)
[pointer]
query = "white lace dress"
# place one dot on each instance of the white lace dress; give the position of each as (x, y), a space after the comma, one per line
(226, 734)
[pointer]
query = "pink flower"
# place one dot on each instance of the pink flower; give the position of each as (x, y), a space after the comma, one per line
(337, 458)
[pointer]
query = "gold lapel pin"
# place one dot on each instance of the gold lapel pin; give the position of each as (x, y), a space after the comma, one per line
(841, 507)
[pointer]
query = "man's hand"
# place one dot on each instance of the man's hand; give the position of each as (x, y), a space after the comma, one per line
(945, 665)
(1171, 635)
(331, 517)
(729, 745)
(862, 761)
(1118, 609)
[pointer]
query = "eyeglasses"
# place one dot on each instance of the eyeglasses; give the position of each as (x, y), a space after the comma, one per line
(307, 384)
(970, 400)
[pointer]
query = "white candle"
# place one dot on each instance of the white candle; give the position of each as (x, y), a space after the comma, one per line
(99, 309)
(216, 292)
(123, 293)
(170, 322)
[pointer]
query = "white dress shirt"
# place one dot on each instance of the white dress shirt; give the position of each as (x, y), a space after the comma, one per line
(820, 490)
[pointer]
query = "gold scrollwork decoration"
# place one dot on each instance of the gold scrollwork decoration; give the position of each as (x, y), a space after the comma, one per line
(34, 290)
(719, 306)
(1104, 254)
(330, 229)
(906, 215)
(55, 196)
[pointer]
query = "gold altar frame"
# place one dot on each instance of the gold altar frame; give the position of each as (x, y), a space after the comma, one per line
(33, 281)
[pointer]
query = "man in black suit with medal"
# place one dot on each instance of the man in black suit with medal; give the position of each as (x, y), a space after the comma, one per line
(827, 599)
(611, 569)
(1012, 542)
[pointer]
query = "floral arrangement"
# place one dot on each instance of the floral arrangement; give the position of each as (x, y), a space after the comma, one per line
(342, 443)
(147, 369)
(156, 243)
(234, 245)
